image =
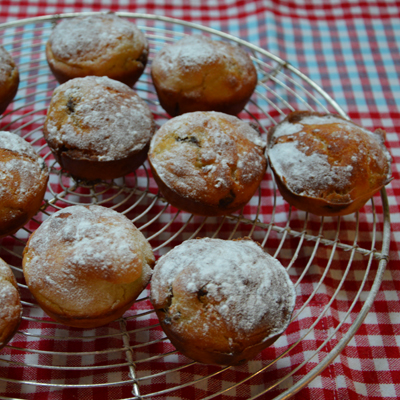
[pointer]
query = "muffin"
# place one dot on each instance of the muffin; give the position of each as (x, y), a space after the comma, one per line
(98, 128)
(100, 45)
(10, 304)
(325, 164)
(86, 265)
(207, 163)
(200, 74)
(9, 79)
(221, 301)
(23, 182)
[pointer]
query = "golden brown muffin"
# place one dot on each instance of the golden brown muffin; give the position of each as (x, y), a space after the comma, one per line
(327, 165)
(221, 301)
(86, 265)
(10, 304)
(23, 182)
(100, 45)
(207, 163)
(9, 79)
(98, 128)
(200, 74)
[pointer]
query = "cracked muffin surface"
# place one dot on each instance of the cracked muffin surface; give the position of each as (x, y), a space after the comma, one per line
(23, 182)
(221, 301)
(207, 163)
(325, 164)
(98, 128)
(197, 73)
(85, 265)
(99, 45)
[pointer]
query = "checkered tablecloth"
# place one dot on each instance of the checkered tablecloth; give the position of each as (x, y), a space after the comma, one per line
(350, 49)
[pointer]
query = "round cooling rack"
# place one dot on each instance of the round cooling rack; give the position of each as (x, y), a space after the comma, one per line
(336, 263)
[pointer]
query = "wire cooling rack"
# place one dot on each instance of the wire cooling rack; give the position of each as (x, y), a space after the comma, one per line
(336, 263)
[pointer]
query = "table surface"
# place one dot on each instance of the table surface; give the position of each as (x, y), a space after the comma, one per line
(352, 51)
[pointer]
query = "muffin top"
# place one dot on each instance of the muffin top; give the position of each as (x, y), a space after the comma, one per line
(22, 170)
(80, 250)
(208, 155)
(325, 156)
(98, 118)
(201, 74)
(229, 285)
(90, 39)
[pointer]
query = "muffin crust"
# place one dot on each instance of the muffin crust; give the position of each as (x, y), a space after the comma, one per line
(100, 45)
(325, 164)
(200, 74)
(207, 163)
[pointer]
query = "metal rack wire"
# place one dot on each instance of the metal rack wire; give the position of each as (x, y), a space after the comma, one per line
(336, 263)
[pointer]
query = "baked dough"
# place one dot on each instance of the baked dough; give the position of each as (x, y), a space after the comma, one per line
(10, 304)
(100, 45)
(325, 164)
(200, 74)
(86, 265)
(9, 79)
(23, 182)
(98, 128)
(221, 301)
(207, 163)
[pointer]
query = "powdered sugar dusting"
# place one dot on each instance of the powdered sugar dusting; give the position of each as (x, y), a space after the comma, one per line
(295, 167)
(322, 120)
(4, 269)
(9, 302)
(10, 306)
(312, 154)
(179, 61)
(216, 155)
(246, 286)
(21, 171)
(286, 128)
(95, 237)
(89, 253)
(190, 52)
(13, 142)
(85, 38)
(108, 118)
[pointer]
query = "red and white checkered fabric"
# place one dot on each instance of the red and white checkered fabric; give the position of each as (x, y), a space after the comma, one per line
(352, 50)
